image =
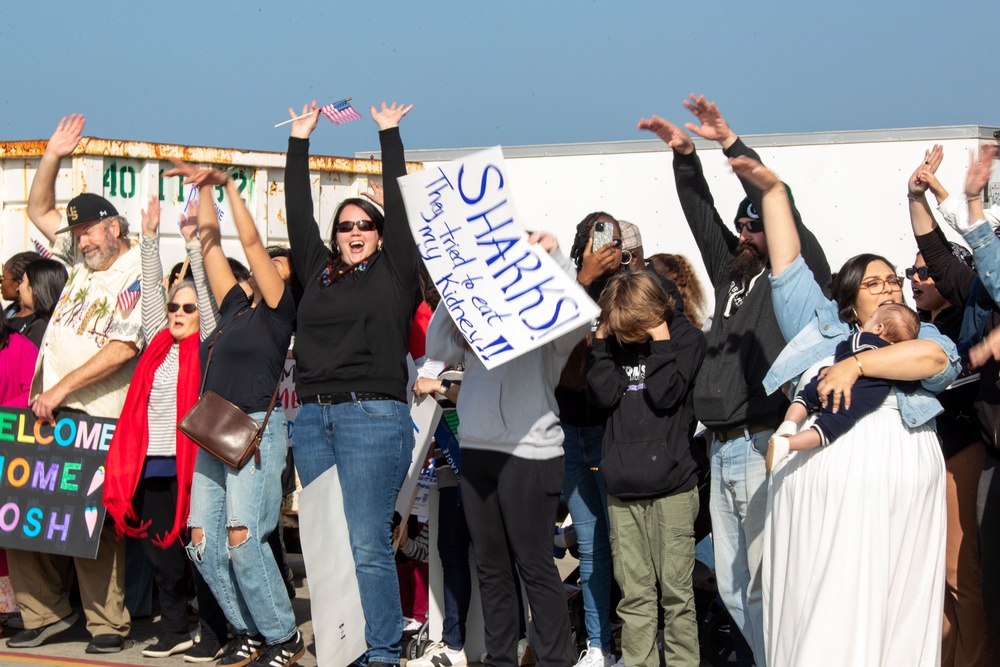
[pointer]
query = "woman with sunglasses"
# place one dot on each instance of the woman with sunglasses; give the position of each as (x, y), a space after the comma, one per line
(945, 289)
(853, 564)
(361, 292)
(150, 463)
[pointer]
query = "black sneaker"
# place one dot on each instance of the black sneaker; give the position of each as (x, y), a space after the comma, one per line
(38, 636)
(108, 643)
(242, 649)
(283, 654)
(169, 643)
(207, 650)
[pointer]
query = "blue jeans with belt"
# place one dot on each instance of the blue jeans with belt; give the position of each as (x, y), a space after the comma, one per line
(587, 500)
(244, 578)
(371, 443)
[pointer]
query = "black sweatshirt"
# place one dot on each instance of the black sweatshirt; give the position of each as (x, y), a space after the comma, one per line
(953, 279)
(352, 335)
(742, 346)
(647, 449)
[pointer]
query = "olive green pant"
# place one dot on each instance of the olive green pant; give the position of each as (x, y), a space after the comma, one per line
(652, 541)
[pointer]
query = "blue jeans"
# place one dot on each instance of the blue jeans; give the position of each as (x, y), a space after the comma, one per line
(453, 546)
(738, 503)
(587, 500)
(244, 578)
(371, 443)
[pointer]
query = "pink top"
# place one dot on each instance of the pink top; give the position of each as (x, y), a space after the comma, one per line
(17, 365)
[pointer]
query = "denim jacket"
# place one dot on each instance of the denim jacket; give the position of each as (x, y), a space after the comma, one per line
(812, 324)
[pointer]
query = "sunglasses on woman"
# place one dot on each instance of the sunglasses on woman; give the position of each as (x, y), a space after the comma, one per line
(752, 226)
(919, 271)
(189, 308)
(362, 225)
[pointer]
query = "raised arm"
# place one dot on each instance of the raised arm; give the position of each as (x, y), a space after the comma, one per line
(309, 252)
(400, 248)
(42, 196)
(153, 301)
(715, 240)
(208, 309)
(269, 281)
(220, 276)
(921, 217)
(673, 362)
(783, 243)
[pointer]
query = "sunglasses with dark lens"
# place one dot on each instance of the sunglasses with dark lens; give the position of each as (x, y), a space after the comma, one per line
(189, 308)
(362, 225)
(752, 226)
(919, 271)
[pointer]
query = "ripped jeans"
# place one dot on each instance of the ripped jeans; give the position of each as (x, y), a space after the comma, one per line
(244, 578)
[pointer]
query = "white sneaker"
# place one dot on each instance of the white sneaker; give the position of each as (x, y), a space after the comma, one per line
(439, 654)
(595, 657)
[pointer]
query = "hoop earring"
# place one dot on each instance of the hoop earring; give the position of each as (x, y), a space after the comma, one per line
(626, 257)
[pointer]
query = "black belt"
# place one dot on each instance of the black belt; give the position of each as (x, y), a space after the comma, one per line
(346, 397)
(727, 434)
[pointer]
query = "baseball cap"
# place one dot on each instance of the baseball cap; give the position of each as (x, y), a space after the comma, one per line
(86, 208)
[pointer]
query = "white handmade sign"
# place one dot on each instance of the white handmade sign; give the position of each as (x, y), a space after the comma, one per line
(505, 295)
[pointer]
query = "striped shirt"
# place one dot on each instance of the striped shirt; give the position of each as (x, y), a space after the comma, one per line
(162, 406)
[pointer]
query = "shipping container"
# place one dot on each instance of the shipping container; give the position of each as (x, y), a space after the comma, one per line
(127, 173)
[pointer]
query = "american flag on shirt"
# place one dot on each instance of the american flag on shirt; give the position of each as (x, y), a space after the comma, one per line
(42, 250)
(340, 112)
(129, 296)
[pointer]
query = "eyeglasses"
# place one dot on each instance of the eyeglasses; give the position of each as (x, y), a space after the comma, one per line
(877, 285)
(919, 271)
(189, 308)
(752, 226)
(362, 225)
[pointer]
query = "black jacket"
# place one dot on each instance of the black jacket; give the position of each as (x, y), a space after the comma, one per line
(648, 389)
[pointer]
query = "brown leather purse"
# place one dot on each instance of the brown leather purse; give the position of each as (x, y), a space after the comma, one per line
(221, 428)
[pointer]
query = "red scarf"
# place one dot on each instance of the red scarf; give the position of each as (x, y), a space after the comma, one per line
(127, 452)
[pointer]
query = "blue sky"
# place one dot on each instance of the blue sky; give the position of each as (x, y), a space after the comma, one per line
(221, 74)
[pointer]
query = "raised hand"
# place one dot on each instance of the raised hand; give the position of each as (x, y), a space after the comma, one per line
(753, 171)
(713, 126)
(671, 135)
(377, 195)
(67, 136)
(389, 116)
(303, 127)
(196, 176)
(918, 183)
(189, 222)
(151, 217)
(979, 171)
(597, 264)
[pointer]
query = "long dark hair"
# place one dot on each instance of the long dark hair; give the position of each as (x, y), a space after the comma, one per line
(5, 331)
(47, 278)
(847, 283)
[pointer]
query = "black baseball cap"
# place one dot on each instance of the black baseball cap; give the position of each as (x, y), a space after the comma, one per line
(87, 208)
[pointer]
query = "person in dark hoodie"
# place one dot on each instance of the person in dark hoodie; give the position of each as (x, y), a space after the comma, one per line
(644, 359)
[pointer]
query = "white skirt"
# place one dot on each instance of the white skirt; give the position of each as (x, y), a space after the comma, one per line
(854, 549)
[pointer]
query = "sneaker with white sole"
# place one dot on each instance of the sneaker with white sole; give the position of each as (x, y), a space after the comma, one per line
(440, 654)
(169, 644)
(242, 649)
(595, 657)
(282, 655)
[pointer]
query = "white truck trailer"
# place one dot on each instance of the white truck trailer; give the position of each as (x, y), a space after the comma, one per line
(849, 186)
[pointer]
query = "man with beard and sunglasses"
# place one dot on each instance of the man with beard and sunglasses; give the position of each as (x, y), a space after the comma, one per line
(729, 396)
(87, 358)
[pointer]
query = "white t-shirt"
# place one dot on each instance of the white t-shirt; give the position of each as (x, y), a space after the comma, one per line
(90, 313)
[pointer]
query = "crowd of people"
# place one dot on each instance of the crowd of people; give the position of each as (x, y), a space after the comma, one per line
(850, 441)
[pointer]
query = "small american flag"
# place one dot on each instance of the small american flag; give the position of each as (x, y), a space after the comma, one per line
(42, 250)
(129, 296)
(340, 112)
